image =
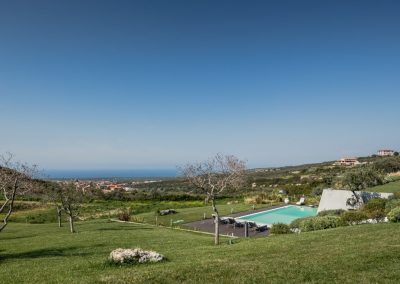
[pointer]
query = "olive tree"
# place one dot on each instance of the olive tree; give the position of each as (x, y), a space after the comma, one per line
(214, 176)
(70, 198)
(360, 179)
(16, 179)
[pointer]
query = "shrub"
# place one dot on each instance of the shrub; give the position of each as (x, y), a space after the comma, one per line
(396, 195)
(124, 216)
(353, 217)
(40, 218)
(319, 223)
(296, 223)
(280, 228)
(335, 212)
(377, 215)
(391, 204)
(394, 215)
(375, 204)
(317, 191)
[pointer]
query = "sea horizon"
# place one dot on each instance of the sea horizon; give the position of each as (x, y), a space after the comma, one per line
(108, 173)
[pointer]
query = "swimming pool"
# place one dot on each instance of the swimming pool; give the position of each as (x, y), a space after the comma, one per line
(280, 215)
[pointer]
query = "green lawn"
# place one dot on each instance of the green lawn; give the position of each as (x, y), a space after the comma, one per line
(46, 254)
(196, 213)
(389, 187)
(141, 211)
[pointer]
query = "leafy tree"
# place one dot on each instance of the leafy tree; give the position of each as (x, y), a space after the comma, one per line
(362, 178)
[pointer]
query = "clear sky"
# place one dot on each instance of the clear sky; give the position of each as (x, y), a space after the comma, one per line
(153, 84)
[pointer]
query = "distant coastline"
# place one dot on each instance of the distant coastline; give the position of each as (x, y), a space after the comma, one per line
(110, 174)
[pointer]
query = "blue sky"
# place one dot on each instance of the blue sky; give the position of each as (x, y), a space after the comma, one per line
(154, 84)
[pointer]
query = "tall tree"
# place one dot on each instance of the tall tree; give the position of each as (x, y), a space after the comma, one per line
(16, 179)
(214, 176)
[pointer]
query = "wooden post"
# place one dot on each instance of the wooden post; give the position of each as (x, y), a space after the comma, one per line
(156, 221)
(246, 230)
(204, 216)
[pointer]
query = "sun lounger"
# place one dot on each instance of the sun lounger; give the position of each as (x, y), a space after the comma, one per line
(261, 228)
(227, 220)
(301, 201)
(239, 223)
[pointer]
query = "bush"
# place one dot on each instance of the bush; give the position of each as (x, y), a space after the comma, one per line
(335, 212)
(280, 228)
(394, 215)
(391, 204)
(375, 204)
(377, 215)
(396, 195)
(319, 223)
(124, 216)
(353, 217)
(317, 191)
(296, 223)
(38, 218)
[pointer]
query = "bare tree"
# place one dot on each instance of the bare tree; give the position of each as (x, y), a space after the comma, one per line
(15, 180)
(214, 176)
(70, 198)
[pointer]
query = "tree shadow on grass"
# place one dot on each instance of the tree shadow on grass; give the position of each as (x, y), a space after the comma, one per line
(125, 228)
(3, 238)
(46, 252)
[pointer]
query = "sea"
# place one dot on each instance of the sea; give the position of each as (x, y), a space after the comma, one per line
(110, 174)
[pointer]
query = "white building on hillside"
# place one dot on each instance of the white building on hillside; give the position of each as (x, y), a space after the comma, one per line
(347, 162)
(385, 152)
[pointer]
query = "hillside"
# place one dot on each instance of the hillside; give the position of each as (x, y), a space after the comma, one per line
(359, 254)
(389, 187)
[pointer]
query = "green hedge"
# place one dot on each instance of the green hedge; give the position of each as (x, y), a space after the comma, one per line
(391, 204)
(316, 223)
(394, 215)
(375, 204)
(336, 212)
(280, 228)
(353, 217)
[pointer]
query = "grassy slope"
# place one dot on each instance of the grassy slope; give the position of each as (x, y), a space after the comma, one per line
(389, 187)
(44, 253)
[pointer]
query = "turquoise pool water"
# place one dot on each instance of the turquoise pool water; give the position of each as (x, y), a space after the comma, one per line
(280, 215)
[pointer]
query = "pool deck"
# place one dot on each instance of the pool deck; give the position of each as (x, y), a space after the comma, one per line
(207, 225)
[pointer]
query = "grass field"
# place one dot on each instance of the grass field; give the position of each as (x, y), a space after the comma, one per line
(44, 253)
(141, 211)
(196, 213)
(389, 187)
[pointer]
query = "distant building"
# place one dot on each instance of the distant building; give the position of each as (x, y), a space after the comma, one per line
(347, 162)
(385, 152)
